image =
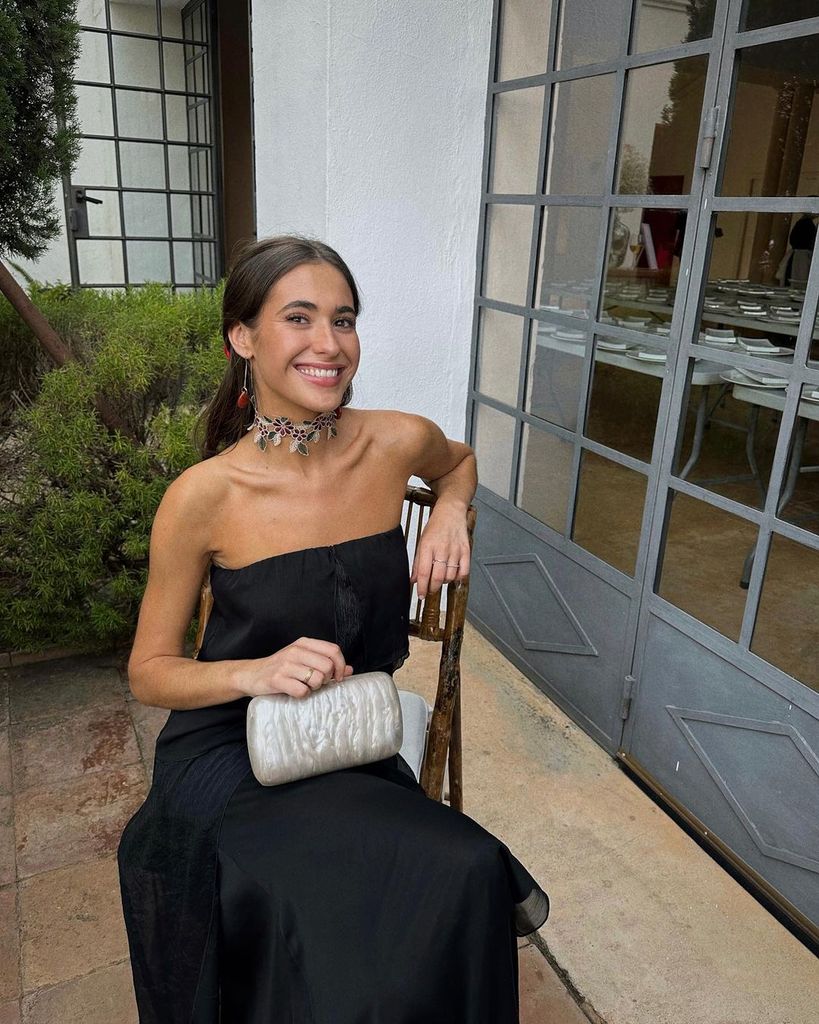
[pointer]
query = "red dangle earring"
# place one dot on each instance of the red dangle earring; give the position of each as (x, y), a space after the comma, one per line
(244, 398)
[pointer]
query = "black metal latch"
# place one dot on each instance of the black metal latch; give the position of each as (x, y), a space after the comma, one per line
(78, 211)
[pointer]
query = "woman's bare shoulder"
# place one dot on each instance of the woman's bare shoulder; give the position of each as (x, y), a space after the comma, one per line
(197, 490)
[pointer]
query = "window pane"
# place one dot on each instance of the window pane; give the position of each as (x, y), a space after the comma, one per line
(94, 110)
(703, 563)
(103, 217)
(92, 64)
(609, 514)
(493, 443)
(136, 61)
(581, 120)
(568, 250)
(658, 140)
(146, 213)
(545, 477)
(524, 38)
(91, 12)
(506, 264)
(97, 164)
(174, 54)
(642, 265)
(139, 114)
(516, 142)
(590, 32)
(177, 118)
(773, 137)
(181, 215)
(148, 261)
(500, 341)
(799, 498)
(179, 168)
(760, 13)
(183, 261)
(555, 373)
(625, 399)
(658, 25)
(100, 262)
(757, 268)
(134, 17)
(787, 623)
(143, 165)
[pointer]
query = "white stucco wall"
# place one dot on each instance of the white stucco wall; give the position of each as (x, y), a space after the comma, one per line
(369, 122)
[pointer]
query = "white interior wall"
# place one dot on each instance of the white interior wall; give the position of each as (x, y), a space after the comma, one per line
(369, 135)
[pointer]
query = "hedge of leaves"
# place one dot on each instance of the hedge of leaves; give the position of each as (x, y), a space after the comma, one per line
(76, 502)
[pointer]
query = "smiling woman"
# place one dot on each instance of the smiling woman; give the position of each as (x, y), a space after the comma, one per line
(341, 897)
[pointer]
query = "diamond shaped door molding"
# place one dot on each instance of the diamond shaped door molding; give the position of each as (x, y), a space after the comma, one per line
(682, 717)
(541, 593)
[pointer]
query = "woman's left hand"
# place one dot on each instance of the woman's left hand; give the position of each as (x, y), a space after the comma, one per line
(442, 554)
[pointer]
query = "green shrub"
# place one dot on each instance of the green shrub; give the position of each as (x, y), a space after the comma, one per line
(76, 502)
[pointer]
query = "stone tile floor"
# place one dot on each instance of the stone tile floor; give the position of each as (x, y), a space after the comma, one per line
(75, 758)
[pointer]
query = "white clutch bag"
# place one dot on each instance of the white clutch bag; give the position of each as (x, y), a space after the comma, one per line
(355, 721)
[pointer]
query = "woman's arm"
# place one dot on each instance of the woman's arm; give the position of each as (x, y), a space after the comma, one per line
(159, 672)
(449, 469)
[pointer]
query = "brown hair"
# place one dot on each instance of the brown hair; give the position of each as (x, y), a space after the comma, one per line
(255, 269)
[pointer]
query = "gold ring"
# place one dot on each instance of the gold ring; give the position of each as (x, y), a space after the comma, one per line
(307, 677)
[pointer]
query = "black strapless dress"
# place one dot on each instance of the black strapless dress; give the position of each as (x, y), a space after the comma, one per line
(345, 898)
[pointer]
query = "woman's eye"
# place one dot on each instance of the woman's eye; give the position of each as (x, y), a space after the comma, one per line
(297, 317)
(345, 322)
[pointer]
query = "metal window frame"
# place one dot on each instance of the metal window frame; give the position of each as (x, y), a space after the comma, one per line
(721, 47)
(206, 50)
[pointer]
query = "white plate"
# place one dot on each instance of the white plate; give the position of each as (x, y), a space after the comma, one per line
(613, 346)
(577, 337)
(762, 347)
(735, 377)
(810, 396)
(648, 355)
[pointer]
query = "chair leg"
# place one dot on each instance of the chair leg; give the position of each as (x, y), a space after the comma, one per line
(456, 790)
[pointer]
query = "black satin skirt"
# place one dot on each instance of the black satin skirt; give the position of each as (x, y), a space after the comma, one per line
(352, 898)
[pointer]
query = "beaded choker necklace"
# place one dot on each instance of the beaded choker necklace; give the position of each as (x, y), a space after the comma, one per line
(299, 433)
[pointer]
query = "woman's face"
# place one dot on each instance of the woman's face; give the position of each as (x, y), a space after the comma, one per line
(305, 347)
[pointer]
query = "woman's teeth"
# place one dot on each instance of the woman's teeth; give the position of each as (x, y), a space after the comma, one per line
(310, 371)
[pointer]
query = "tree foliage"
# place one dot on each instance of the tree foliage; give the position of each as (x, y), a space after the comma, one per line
(39, 134)
(76, 501)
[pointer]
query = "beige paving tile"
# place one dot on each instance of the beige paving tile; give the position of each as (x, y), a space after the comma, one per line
(77, 821)
(46, 752)
(543, 996)
(105, 996)
(4, 698)
(71, 923)
(10, 1012)
(148, 722)
(7, 869)
(9, 946)
(56, 689)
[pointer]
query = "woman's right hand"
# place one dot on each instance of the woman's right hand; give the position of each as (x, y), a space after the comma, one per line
(284, 671)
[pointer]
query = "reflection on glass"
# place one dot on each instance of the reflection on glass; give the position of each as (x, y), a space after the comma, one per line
(658, 25)
(516, 141)
(728, 435)
(134, 17)
(773, 136)
(702, 566)
(97, 164)
(136, 61)
(100, 262)
(143, 165)
(545, 477)
(555, 373)
(493, 443)
(146, 213)
(787, 622)
(91, 12)
(94, 110)
(642, 267)
(148, 261)
(661, 122)
(581, 119)
(609, 513)
(92, 64)
(589, 33)
(799, 498)
(625, 398)
(139, 114)
(568, 249)
(506, 263)
(523, 38)
(755, 282)
(760, 13)
(500, 340)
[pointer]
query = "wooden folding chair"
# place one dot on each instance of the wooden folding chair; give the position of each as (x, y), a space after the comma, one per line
(441, 726)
